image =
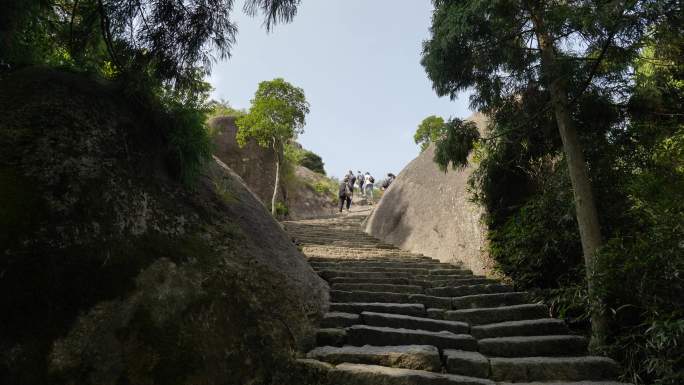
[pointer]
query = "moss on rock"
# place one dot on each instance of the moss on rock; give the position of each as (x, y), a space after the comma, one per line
(115, 273)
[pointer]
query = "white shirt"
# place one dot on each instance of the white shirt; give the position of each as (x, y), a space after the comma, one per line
(367, 180)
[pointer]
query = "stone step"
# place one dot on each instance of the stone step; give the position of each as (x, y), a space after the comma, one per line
(412, 309)
(368, 296)
(489, 300)
(390, 270)
(455, 275)
(466, 363)
(422, 357)
(462, 281)
(411, 289)
(359, 374)
(533, 369)
(528, 346)
(379, 281)
(338, 319)
(331, 336)
(449, 272)
(360, 335)
(363, 264)
(431, 301)
(460, 291)
(484, 316)
(328, 274)
(408, 322)
(566, 383)
(537, 327)
(370, 259)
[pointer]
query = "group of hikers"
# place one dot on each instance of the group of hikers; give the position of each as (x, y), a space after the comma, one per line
(364, 183)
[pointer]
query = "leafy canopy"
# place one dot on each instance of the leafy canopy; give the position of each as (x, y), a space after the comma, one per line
(453, 148)
(277, 115)
(430, 130)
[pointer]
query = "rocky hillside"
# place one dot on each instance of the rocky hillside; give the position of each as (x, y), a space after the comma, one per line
(304, 192)
(427, 211)
(112, 272)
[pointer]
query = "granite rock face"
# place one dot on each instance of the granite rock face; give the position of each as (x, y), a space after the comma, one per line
(256, 166)
(113, 271)
(428, 211)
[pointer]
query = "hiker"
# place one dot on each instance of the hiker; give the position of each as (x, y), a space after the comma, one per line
(368, 186)
(345, 193)
(352, 178)
(388, 181)
(359, 180)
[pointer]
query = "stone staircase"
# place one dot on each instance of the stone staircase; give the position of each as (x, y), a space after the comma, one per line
(401, 318)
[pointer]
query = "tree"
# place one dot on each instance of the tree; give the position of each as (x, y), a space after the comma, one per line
(277, 115)
(511, 52)
(429, 131)
(313, 162)
(173, 40)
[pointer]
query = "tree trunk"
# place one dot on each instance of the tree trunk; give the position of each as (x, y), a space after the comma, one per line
(276, 150)
(587, 215)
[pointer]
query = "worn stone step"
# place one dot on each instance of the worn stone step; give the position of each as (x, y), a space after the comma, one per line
(389, 264)
(412, 309)
(378, 281)
(338, 319)
(370, 259)
(367, 296)
(377, 335)
(566, 383)
(408, 322)
(460, 291)
(482, 316)
(489, 300)
(466, 363)
(461, 281)
(431, 301)
(528, 346)
(436, 313)
(388, 270)
(460, 275)
(536, 327)
(422, 357)
(449, 271)
(532, 369)
(359, 374)
(331, 337)
(327, 274)
(388, 288)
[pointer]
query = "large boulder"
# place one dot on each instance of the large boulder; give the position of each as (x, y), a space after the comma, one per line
(306, 194)
(428, 211)
(255, 164)
(112, 272)
(313, 195)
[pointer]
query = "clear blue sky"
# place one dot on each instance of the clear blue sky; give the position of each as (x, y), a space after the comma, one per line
(358, 62)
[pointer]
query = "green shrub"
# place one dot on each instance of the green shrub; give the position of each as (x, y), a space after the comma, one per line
(313, 162)
(282, 210)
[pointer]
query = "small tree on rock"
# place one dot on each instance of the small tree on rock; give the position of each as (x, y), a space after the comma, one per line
(277, 115)
(430, 130)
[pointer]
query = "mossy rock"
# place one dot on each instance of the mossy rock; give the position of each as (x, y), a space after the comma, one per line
(112, 272)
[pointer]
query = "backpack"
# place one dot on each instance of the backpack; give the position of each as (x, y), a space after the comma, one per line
(347, 190)
(371, 179)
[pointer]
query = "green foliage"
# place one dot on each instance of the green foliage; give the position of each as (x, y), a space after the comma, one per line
(219, 108)
(159, 51)
(277, 115)
(455, 145)
(623, 69)
(430, 130)
(313, 162)
(281, 210)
